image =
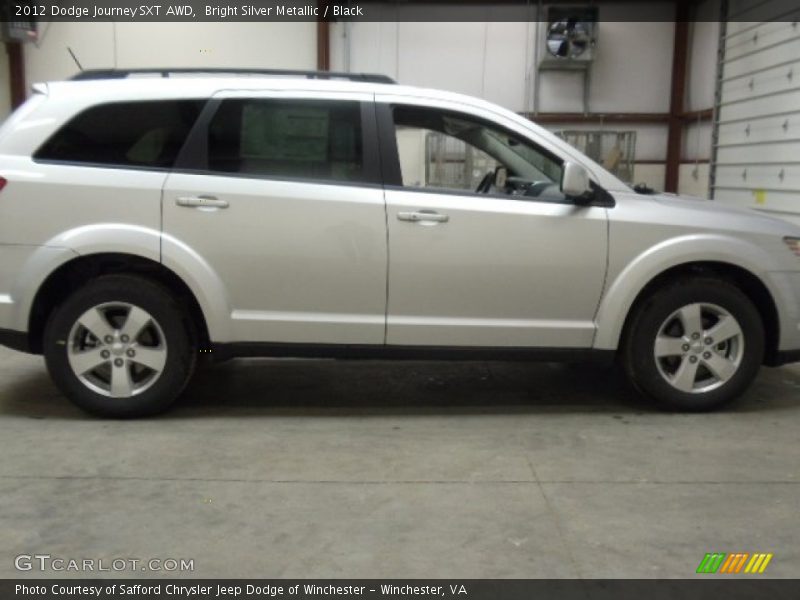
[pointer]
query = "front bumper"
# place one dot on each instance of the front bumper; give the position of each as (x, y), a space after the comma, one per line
(786, 293)
(784, 357)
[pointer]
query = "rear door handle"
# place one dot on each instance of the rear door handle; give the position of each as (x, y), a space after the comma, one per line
(422, 216)
(201, 202)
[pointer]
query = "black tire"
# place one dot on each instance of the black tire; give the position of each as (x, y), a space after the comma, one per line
(175, 326)
(638, 352)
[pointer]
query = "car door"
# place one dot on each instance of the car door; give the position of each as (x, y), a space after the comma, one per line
(279, 194)
(483, 269)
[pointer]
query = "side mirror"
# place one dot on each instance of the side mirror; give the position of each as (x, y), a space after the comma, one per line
(575, 182)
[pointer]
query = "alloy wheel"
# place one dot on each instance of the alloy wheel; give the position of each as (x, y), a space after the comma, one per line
(699, 348)
(117, 349)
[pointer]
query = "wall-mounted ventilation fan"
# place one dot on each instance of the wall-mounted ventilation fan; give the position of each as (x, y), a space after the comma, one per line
(570, 37)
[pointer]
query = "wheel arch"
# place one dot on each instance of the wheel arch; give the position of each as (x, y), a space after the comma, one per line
(77, 272)
(745, 280)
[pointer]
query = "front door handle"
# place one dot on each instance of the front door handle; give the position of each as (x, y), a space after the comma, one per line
(201, 202)
(423, 216)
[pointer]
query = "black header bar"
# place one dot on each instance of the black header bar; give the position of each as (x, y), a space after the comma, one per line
(385, 10)
(707, 587)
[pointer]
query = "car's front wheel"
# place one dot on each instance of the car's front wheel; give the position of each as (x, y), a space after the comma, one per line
(694, 345)
(120, 347)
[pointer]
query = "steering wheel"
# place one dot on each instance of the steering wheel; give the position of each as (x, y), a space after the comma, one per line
(537, 187)
(486, 183)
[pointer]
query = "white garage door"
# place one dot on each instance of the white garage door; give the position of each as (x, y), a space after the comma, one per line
(757, 135)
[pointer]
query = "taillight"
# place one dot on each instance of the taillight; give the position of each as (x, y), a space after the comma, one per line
(3, 182)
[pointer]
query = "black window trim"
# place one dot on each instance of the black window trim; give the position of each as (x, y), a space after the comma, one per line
(193, 157)
(393, 178)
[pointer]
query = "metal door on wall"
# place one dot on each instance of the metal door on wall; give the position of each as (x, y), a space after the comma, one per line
(756, 143)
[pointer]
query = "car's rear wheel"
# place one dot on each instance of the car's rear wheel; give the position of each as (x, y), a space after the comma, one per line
(694, 345)
(120, 347)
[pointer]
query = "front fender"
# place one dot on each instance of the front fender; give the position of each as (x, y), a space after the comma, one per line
(624, 287)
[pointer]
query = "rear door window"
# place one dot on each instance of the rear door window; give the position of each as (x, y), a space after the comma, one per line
(125, 134)
(316, 140)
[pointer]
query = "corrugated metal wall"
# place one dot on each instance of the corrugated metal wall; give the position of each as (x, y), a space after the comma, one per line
(756, 153)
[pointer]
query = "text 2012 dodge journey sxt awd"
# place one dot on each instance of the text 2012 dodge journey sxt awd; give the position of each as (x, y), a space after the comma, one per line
(146, 221)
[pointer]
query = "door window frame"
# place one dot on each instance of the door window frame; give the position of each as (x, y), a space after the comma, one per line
(393, 177)
(193, 157)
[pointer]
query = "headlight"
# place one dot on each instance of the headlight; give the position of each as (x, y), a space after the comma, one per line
(794, 244)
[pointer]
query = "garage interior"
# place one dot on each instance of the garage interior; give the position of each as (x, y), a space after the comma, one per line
(316, 468)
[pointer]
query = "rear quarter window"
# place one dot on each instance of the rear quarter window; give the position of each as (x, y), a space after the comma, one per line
(126, 134)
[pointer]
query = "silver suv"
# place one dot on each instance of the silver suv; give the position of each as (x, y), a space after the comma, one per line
(148, 221)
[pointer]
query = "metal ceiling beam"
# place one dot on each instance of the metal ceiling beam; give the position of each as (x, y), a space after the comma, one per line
(639, 118)
(623, 118)
(16, 73)
(323, 40)
(680, 53)
(692, 116)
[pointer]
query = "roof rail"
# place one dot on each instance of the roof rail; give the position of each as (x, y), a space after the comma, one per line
(93, 74)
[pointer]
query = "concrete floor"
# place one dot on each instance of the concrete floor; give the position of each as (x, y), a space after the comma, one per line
(362, 469)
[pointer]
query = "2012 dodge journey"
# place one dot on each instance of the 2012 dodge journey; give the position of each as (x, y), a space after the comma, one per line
(147, 221)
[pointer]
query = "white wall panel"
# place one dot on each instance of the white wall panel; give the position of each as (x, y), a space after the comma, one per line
(744, 37)
(762, 106)
(703, 56)
(495, 60)
(697, 141)
(49, 59)
(760, 177)
(747, 154)
(442, 55)
(693, 180)
(757, 161)
(633, 69)
(365, 47)
(650, 175)
(106, 45)
(480, 59)
(764, 61)
(770, 130)
(504, 79)
(561, 91)
(267, 45)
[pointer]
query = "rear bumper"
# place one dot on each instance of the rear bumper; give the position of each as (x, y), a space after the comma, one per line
(16, 340)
